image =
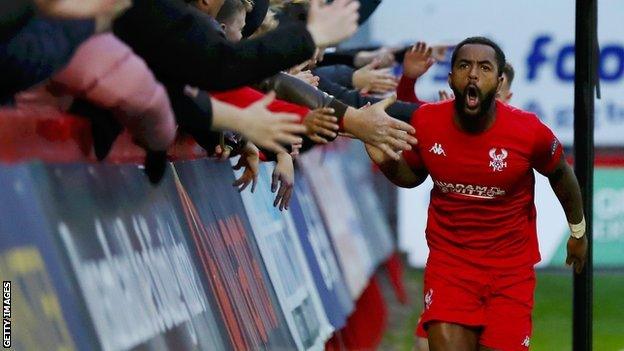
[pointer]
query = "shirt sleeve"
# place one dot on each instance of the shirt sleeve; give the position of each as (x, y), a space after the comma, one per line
(413, 159)
(547, 150)
(243, 97)
(406, 91)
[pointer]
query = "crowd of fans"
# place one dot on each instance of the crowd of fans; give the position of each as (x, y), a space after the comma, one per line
(250, 78)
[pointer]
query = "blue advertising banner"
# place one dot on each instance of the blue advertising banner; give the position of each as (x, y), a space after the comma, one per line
(286, 263)
(230, 258)
(322, 168)
(320, 254)
(125, 242)
(359, 182)
(45, 309)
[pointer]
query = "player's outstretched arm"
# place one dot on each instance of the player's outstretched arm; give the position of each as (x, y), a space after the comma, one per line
(397, 171)
(566, 188)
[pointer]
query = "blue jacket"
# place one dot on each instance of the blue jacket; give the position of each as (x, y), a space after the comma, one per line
(37, 50)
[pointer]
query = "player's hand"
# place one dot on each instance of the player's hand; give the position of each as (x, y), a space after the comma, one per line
(418, 59)
(321, 124)
(250, 159)
(577, 253)
(284, 178)
(374, 80)
(374, 126)
(377, 155)
(445, 95)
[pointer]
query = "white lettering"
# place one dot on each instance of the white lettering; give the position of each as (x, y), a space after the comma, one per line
(470, 190)
(137, 292)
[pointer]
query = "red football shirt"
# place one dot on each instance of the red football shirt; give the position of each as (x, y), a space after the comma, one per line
(481, 209)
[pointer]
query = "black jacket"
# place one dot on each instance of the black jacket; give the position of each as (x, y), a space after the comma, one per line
(292, 89)
(14, 15)
(341, 74)
(183, 45)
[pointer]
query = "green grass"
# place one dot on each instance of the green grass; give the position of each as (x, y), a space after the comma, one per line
(552, 316)
(552, 327)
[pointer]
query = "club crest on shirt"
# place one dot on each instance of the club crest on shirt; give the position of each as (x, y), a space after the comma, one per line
(428, 299)
(498, 159)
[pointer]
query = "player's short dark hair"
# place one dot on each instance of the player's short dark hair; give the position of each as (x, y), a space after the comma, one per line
(500, 55)
(509, 72)
(231, 7)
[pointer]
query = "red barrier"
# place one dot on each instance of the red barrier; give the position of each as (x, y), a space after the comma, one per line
(366, 326)
(394, 266)
(50, 136)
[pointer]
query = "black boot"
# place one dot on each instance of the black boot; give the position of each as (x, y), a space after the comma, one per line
(104, 128)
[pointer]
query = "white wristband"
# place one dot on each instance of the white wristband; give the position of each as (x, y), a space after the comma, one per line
(578, 230)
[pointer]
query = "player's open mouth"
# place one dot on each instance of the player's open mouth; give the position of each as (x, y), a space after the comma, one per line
(472, 97)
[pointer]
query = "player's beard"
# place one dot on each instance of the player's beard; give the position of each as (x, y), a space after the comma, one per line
(484, 102)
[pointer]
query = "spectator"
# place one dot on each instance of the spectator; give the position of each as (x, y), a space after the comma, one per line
(381, 134)
(355, 58)
(105, 72)
(232, 18)
(187, 46)
(400, 110)
(34, 46)
(256, 17)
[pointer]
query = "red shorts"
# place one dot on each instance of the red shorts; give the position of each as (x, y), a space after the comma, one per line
(498, 302)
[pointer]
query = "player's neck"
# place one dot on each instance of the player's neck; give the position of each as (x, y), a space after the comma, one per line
(476, 124)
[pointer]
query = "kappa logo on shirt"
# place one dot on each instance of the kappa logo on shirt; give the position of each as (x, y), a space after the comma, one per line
(526, 342)
(553, 147)
(437, 149)
(498, 160)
